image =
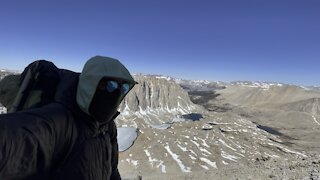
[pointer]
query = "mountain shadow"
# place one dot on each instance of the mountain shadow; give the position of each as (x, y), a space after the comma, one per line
(208, 99)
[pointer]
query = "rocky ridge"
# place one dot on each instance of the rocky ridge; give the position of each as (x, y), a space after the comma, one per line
(155, 97)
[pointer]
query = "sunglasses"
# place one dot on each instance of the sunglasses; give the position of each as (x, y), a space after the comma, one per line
(111, 86)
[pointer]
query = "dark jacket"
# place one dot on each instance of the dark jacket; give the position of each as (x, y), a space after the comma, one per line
(59, 140)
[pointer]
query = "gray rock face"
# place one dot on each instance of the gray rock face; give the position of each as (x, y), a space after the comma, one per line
(156, 94)
(155, 100)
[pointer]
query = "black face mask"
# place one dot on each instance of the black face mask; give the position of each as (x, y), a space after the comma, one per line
(104, 105)
(105, 102)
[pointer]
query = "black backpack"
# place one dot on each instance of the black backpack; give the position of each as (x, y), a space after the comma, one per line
(38, 84)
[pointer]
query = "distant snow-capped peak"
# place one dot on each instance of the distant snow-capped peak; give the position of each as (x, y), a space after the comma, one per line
(190, 85)
(168, 78)
(257, 84)
(10, 71)
(201, 81)
(311, 88)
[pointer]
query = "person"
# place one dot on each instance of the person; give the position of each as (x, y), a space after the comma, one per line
(74, 136)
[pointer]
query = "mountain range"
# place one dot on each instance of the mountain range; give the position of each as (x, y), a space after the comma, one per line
(262, 126)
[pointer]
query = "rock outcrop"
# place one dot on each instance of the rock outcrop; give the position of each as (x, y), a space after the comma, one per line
(156, 94)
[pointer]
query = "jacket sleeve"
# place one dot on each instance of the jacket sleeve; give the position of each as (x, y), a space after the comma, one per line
(28, 145)
(115, 152)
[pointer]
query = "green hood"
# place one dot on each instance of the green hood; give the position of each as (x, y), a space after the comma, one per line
(93, 71)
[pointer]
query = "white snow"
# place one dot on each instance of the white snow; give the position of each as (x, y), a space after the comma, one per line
(184, 149)
(161, 126)
(126, 137)
(224, 143)
(192, 157)
(275, 156)
(197, 144)
(315, 120)
(204, 143)
(212, 164)
(185, 136)
(228, 156)
(288, 150)
(163, 167)
(204, 167)
(216, 123)
(202, 81)
(177, 119)
(262, 85)
(134, 162)
(164, 77)
(225, 163)
(207, 127)
(204, 150)
(236, 144)
(176, 158)
(154, 160)
(193, 152)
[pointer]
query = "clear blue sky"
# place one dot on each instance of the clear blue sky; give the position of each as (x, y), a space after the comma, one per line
(264, 40)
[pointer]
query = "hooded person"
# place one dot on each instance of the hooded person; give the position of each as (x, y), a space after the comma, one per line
(102, 86)
(74, 136)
